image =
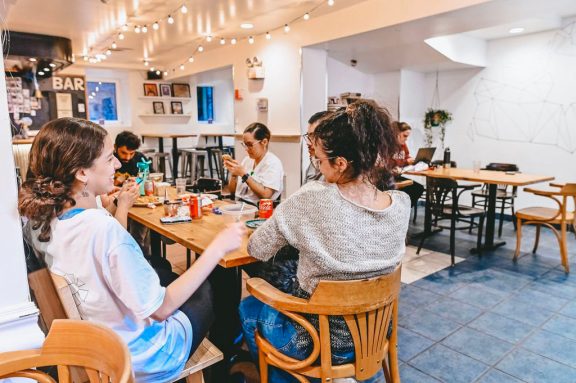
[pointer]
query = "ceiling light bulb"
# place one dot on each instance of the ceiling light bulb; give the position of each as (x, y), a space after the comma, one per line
(246, 25)
(222, 41)
(190, 59)
(170, 19)
(41, 73)
(268, 36)
(516, 30)
(144, 29)
(182, 67)
(108, 52)
(184, 9)
(251, 40)
(137, 29)
(155, 26)
(52, 65)
(125, 27)
(146, 63)
(32, 59)
(233, 41)
(157, 73)
(114, 45)
(86, 58)
(208, 38)
(330, 2)
(152, 69)
(121, 36)
(46, 69)
(165, 73)
(286, 28)
(200, 48)
(306, 16)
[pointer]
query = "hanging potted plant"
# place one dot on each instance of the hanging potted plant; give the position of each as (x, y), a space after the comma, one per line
(436, 118)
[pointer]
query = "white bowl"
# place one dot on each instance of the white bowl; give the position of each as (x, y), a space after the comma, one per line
(237, 212)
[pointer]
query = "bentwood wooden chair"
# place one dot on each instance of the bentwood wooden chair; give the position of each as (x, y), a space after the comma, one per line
(100, 351)
(549, 217)
(369, 307)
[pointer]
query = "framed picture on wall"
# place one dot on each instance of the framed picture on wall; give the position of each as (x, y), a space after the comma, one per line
(165, 90)
(181, 90)
(176, 107)
(158, 107)
(150, 90)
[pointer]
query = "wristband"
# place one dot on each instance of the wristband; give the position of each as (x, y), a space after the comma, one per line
(245, 177)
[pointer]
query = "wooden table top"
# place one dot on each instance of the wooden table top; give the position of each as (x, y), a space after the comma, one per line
(402, 184)
(195, 235)
(168, 135)
(484, 176)
(22, 141)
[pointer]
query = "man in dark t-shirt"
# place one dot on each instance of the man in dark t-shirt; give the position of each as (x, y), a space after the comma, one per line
(125, 149)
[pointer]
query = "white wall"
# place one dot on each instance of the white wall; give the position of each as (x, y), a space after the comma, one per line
(346, 78)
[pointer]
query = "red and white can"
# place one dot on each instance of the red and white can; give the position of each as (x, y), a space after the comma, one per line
(195, 204)
(265, 208)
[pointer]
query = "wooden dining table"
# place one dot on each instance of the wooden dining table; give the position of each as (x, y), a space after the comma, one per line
(492, 179)
(226, 279)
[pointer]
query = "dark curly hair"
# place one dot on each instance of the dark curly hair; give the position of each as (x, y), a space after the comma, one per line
(363, 134)
(127, 139)
(61, 148)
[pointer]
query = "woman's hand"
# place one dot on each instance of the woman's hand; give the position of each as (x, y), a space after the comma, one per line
(129, 192)
(230, 238)
(234, 168)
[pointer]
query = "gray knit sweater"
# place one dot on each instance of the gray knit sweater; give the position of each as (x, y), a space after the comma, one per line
(337, 240)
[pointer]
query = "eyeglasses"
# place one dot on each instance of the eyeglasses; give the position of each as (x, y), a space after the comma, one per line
(308, 137)
(317, 161)
(249, 145)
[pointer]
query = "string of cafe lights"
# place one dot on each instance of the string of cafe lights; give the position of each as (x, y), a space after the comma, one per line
(111, 42)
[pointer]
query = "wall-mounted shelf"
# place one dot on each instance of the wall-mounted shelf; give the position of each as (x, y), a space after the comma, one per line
(153, 98)
(166, 115)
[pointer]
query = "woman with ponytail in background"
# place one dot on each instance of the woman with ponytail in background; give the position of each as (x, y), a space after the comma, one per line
(161, 317)
(344, 228)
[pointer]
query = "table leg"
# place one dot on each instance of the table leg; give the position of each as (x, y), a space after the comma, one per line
(490, 221)
(174, 158)
(162, 163)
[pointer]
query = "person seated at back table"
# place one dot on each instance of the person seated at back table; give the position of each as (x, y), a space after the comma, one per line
(313, 174)
(402, 158)
(260, 175)
(344, 228)
(126, 151)
(162, 317)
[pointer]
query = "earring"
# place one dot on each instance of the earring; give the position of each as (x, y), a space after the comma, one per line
(84, 193)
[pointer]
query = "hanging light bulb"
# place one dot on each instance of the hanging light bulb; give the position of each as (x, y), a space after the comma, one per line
(86, 58)
(190, 59)
(222, 41)
(183, 9)
(152, 69)
(330, 2)
(114, 45)
(146, 63)
(233, 41)
(200, 48)
(125, 28)
(170, 19)
(306, 16)
(250, 40)
(155, 26)
(208, 38)
(108, 52)
(137, 29)
(144, 29)
(286, 28)
(52, 65)
(268, 36)
(165, 73)
(158, 73)
(182, 67)
(121, 36)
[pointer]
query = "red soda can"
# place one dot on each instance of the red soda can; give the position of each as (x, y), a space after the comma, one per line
(148, 188)
(266, 208)
(195, 207)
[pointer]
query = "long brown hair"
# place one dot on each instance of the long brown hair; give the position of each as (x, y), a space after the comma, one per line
(61, 148)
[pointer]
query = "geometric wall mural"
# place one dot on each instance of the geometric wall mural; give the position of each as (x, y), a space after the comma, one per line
(530, 95)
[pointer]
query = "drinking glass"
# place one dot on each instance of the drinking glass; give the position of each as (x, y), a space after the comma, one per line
(180, 185)
(476, 164)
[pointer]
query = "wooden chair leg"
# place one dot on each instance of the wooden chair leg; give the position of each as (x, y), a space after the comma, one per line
(564, 248)
(263, 367)
(513, 215)
(196, 377)
(537, 240)
(518, 238)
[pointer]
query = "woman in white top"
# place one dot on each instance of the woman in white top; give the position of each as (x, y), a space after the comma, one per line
(71, 162)
(260, 174)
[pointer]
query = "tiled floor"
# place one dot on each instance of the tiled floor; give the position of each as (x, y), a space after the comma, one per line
(488, 319)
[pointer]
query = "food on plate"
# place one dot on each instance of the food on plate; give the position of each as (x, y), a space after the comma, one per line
(146, 199)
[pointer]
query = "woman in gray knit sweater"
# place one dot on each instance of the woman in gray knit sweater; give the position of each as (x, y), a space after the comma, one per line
(344, 228)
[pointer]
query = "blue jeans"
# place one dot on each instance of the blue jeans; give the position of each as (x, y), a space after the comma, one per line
(279, 330)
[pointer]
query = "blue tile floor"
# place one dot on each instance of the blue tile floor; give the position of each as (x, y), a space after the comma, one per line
(488, 319)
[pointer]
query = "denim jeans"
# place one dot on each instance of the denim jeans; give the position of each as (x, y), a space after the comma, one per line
(279, 330)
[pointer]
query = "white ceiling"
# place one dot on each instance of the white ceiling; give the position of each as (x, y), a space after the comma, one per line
(403, 46)
(95, 23)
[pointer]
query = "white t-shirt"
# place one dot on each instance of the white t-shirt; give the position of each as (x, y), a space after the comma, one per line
(269, 173)
(112, 284)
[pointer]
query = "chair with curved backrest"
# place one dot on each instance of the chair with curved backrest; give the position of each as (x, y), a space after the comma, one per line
(545, 216)
(370, 307)
(97, 349)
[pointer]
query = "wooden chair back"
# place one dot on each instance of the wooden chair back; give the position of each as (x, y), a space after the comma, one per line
(69, 343)
(369, 308)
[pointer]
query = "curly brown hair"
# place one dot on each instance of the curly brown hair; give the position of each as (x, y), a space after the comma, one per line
(363, 134)
(59, 151)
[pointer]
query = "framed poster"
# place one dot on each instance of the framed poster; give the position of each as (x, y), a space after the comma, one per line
(165, 90)
(181, 90)
(150, 90)
(158, 107)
